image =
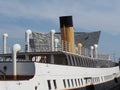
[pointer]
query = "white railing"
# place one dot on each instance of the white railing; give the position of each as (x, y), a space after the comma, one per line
(46, 48)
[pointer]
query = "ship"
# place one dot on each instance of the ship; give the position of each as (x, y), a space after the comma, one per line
(64, 60)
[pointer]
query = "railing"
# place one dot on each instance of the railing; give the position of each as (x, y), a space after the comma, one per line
(47, 48)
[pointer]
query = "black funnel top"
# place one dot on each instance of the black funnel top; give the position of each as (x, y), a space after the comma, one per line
(66, 21)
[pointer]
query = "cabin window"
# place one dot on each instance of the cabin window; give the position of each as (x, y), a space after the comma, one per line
(87, 62)
(77, 62)
(68, 82)
(73, 60)
(55, 85)
(76, 82)
(83, 62)
(79, 82)
(49, 84)
(69, 60)
(64, 83)
(80, 61)
(82, 81)
(60, 59)
(85, 59)
(72, 82)
(91, 63)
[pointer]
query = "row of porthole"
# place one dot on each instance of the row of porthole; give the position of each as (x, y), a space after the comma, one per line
(68, 83)
(71, 83)
(50, 82)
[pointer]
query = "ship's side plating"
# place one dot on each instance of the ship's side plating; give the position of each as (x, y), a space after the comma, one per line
(60, 77)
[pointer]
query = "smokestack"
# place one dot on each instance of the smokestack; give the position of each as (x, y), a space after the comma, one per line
(67, 33)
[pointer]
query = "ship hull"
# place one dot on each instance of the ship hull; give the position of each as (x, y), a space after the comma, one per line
(61, 77)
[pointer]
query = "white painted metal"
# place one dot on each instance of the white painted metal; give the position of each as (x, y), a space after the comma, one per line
(52, 39)
(16, 48)
(56, 44)
(27, 35)
(95, 50)
(5, 35)
(91, 51)
(44, 72)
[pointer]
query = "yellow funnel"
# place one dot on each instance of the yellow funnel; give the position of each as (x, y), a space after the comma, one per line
(67, 33)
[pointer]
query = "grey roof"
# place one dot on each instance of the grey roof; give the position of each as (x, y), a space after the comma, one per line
(87, 38)
(42, 41)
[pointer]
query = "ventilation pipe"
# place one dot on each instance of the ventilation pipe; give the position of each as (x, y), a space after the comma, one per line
(16, 48)
(27, 36)
(79, 48)
(95, 50)
(56, 44)
(5, 35)
(91, 52)
(52, 39)
(67, 33)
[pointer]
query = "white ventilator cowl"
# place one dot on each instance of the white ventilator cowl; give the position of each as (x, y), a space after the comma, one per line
(27, 35)
(16, 48)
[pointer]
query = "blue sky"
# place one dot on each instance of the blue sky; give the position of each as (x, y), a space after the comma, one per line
(16, 16)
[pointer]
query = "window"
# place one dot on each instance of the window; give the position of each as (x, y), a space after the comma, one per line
(72, 82)
(80, 61)
(64, 83)
(79, 82)
(73, 61)
(69, 60)
(68, 82)
(76, 82)
(49, 84)
(55, 85)
(77, 63)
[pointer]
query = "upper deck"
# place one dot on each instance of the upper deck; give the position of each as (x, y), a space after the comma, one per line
(58, 57)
